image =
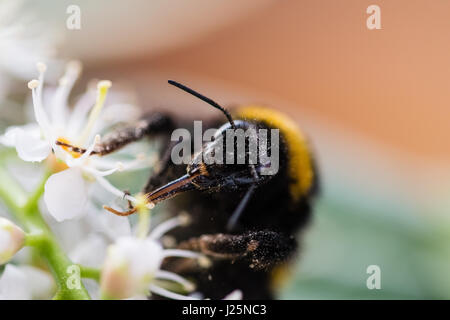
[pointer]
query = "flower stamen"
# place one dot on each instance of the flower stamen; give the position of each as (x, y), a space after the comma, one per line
(164, 227)
(169, 294)
(181, 254)
(166, 275)
(90, 149)
(36, 90)
(102, 90)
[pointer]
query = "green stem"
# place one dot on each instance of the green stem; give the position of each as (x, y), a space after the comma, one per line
(35, 239)
(12, 194)
(90, 273)
(26, 211)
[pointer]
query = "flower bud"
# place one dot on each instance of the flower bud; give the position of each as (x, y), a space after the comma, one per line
(130, 266)
(12, 239)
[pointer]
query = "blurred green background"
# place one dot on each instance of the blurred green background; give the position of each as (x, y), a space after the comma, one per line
(349, 234)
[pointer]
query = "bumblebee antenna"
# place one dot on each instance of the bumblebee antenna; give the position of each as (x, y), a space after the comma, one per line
(206, 99)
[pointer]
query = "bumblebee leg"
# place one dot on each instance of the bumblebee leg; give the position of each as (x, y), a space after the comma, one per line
(155, 123)
(120, 213)
(262, 249)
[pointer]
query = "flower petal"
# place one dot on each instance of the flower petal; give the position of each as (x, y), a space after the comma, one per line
(109, 225)
(59, 106)
(117, 113)
(130, 266)
(9, 137)
(80, 112)
(90, 251)
(5, 239)
(31, 148)
(234, 295)
(66, 194)
(40, 283)
(12, 239)
(13, 284)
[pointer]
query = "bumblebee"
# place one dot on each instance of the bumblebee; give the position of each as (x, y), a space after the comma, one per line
(245, 222)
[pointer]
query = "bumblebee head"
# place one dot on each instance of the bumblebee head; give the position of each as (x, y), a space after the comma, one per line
(230, 162)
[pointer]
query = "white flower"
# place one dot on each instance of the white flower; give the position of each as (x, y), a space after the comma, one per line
(25, 283)
(133, 263)
(12, 239)
(56, 122)
(90, 251)
(13, 284)
(57, 128)
(93, 233)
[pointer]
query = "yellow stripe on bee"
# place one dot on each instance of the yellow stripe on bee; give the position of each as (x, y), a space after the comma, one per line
(279, 276)
(300, 163)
